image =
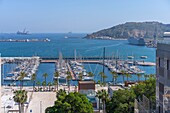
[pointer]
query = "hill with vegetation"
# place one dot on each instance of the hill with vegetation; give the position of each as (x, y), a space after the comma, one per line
(133, 29)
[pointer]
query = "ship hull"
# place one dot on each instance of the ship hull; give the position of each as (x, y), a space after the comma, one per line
(136, 41)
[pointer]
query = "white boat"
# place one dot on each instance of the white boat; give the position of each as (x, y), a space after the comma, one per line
(143, 57)
(130, 57)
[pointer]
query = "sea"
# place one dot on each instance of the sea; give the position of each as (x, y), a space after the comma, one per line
(67, 43)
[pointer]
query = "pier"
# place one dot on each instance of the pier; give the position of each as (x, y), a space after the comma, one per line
(90, 60)
(95, 61)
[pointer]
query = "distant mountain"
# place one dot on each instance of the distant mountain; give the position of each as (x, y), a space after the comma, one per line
(133, 29)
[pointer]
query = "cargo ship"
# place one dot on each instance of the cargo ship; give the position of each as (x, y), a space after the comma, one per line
(24, 32)
(136, 41)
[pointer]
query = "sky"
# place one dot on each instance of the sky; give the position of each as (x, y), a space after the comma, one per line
(78, 16)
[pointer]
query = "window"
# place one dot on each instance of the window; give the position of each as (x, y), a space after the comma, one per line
(168, 65)
(161, 88)
(161, 62)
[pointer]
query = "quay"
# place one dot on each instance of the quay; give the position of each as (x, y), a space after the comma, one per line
(71, 71)
(139, 63)
(25, 40)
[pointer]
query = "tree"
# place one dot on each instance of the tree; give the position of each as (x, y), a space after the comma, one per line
(71, 103)
(55, 84)
(114, 76)
(146, 76)
(101, 75)
(68, 81)
(122, 101)
(33, 78)
(104, 77)
(20, 78)
(20, 96)
(139, 75)
(128, 76)
(80, 76)
(43, 84)
(60, 93)
(90, 74)
(151, 76)
(49, 85)
(99, 96)
(56, 75)
(45, 75)
(104, 97)
(123, 75)
(38, 84)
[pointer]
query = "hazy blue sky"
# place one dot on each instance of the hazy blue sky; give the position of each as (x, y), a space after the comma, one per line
(78, 15)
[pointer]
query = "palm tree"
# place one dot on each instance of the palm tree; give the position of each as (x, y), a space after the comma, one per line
(45, 75)
(115, 78)
(99, 96)
(114, 73)
(61, 92)
(146, 76)
(33, 78)
(90, 74)
(20, 96)
(68, 81)
(44, 84)
(138, 75)
(55, 84)
(104, 97)
(123, 75)
(38, 84)
(20, 78)
(101, 75)
(49, 85)
(128, 76)
(104, 77)
(80, 76)
(151, 75)
(56, 75)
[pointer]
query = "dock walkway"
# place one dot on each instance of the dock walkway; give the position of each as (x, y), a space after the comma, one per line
(71, 72)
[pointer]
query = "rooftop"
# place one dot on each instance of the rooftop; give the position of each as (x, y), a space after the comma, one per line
(86, 82)
(117, 87)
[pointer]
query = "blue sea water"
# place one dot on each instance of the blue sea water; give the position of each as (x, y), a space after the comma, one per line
(83, 47)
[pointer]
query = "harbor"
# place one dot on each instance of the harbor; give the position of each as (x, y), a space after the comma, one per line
(76, 67)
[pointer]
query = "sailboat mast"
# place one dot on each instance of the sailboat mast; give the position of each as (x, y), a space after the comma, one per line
(103, 58)
(75, 54)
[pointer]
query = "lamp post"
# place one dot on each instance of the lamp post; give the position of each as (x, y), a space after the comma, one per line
(40, 106)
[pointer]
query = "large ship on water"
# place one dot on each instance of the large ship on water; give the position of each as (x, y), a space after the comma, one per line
(136, 41)
(24, 32)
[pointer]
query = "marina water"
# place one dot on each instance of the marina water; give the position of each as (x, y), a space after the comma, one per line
(83, 47)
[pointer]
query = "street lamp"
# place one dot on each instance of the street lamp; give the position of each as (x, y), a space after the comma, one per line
(40, 106)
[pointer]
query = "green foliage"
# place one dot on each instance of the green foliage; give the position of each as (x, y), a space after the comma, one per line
(20, 96)
(71, 103)
(122, 101)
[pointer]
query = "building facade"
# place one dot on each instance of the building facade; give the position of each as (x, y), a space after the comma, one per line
(163, 78)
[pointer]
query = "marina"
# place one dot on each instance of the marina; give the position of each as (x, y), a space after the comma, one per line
(76, 68)
(28, 65)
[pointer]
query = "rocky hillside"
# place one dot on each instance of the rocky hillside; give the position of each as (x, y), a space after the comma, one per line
(133, 29)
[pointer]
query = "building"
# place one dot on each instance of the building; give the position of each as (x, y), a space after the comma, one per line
(88, 88)
(111, 89)
(163, 77)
